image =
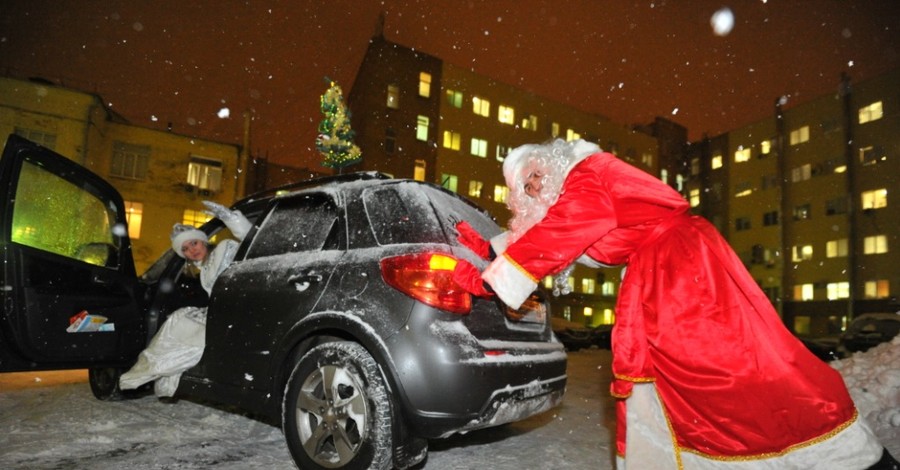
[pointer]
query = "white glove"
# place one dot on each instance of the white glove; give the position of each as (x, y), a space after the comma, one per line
(234, 220)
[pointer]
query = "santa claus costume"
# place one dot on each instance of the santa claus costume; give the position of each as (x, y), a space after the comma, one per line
(706, 374)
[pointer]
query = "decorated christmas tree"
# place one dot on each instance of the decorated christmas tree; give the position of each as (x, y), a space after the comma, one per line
(335, 140)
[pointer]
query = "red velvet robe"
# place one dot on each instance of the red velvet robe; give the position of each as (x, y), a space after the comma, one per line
(733, 381)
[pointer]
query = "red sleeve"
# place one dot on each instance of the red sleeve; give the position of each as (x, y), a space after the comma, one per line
(583, 214)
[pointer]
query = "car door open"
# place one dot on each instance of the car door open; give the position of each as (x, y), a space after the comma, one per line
(66, 258)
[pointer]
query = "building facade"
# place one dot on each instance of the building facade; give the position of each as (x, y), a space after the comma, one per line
(162, 176)
(805, 199)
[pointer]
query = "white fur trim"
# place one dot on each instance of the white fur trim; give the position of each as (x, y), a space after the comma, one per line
(182, 237)
(649, 444)
(499, 243)
(509, 282)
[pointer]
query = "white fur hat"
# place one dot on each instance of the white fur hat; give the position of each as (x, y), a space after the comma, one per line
(182, 233)
(514, 163)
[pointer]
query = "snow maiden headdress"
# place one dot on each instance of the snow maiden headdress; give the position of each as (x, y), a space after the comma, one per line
(554, 160)
(182, 233)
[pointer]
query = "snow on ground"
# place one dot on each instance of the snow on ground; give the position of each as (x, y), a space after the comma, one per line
(873, 378)
(61, 426)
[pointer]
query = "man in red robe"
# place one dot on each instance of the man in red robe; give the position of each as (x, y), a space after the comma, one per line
(706, 374)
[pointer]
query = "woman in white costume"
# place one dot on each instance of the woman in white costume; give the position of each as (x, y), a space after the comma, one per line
(178, 345)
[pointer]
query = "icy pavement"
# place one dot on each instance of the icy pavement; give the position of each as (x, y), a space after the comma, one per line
(64, 427)
(59, 425)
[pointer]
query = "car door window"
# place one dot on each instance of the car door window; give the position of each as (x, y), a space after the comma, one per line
(54, 215)
(402, 214)
(303, 223)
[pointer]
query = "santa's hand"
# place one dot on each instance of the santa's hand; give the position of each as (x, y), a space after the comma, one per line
(472, 240)
(469, 278)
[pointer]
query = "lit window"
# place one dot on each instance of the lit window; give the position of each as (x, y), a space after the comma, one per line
(875, 199)
(802, 253)
(801, 173)
(664, 175)
(695, 166)
(130, 161)
(502, 152)
(608, 288)
(695, 197)
(608, 317)
(716, 162)
(572, 135)
(588, 285)
(422, 127)
(803, 292)
(744, 188)
(479, 147)
(647, 159)
(802, 212)
(506, 114)
(836, 248)
(424, 84)
(588, 312)
(481, 107)
(875, 245)
(419, 170)
(872, 112)
(838, 290)
(475, 188)
(765, 147)
(134, 214)
(454, 98)
(871, 155)
(554, 129)
(195, 217)
(205, 174)
(679, 182)
(500, 193)
(449, 181)
(742, 155)
(393, 97)
(548, 282)
(800, 135)
(530, 122)
(452, 140)
(879, 289)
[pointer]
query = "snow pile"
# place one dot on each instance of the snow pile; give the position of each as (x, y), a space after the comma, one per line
(873, 379)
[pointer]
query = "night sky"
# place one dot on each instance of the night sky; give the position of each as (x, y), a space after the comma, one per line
(183, 62)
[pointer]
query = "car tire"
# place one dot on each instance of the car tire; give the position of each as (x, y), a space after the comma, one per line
(105, 383)
(337, 410)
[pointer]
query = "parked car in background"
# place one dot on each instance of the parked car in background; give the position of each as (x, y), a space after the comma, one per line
(576, 337)
(338, 319)
(825, 349)
(868, 330)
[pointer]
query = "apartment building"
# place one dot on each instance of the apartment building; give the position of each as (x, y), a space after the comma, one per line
(418, 117)
(804, 197)
(162, 176)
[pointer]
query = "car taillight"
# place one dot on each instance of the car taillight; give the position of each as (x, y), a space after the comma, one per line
(428, 278)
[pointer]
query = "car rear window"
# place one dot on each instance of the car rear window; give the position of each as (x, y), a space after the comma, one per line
(401, 214)
(297, 224)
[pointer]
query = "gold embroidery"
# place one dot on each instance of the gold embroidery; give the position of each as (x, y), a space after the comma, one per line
(676, 449)
(629, 378)
(520, 268)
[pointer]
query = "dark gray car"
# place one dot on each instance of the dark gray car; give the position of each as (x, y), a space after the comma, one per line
(338, 320)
